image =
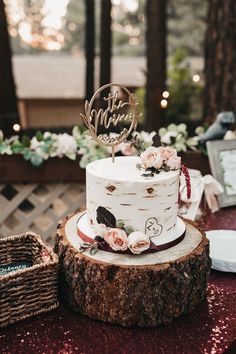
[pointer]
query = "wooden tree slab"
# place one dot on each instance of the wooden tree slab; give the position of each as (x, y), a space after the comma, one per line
(146, 290)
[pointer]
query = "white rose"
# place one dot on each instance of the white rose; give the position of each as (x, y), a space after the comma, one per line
(147, 137)
(230, 135)
(138, 242)
(166, 138)
(151, 158)
(47, 135)
(100, 230)
(35, 144)
(66, 144)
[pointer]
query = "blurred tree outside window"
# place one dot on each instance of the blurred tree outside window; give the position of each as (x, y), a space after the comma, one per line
(58, 28)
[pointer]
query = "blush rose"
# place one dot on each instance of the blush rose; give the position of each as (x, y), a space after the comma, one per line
(138, 242)
(167, 152)
(174, 162)
(127, 149)
(117, 239)
(151, 158)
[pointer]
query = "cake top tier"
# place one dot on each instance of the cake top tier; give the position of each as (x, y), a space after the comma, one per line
(124, 169)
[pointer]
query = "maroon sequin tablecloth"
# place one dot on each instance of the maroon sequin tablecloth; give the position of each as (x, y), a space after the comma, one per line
(210, 329)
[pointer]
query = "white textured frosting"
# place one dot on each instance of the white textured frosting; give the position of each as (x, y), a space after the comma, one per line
(147, 204)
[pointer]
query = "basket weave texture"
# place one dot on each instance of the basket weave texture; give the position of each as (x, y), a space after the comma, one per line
(30, 291)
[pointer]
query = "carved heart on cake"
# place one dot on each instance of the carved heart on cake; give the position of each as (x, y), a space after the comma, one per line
(152, 227)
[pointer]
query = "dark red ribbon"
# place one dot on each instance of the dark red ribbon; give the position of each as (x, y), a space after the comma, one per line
(153, 247)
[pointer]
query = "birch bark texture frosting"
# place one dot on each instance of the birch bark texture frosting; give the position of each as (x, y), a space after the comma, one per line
(148, 205)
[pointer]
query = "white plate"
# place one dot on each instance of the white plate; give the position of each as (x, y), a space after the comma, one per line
(223, 249)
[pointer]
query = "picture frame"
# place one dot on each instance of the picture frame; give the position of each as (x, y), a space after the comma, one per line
(222, 158)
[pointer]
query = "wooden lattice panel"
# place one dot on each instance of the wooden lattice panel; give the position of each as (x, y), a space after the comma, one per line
(37, 207)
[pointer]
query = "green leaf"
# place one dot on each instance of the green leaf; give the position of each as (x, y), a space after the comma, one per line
(166, 168)
(98, 238)
(71, 156)
(120, 224)
(93, 249)
(18, 148)
(26, 141)
(129, 229)
(39, 136)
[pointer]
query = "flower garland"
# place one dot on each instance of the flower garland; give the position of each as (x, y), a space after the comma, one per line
(47, 145)
(177, 137)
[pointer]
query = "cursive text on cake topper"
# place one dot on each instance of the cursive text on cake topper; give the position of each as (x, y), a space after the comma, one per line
(112, 115)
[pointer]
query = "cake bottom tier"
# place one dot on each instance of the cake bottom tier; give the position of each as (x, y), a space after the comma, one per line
(134, 295)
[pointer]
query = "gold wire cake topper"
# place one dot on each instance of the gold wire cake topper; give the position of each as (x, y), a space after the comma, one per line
(105, 118)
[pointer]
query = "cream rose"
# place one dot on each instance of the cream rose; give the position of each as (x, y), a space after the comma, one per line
(167, 152)
(174, 162)
(158, 162)
(230, 135)
(117, 239)
(138, 242)
(100, 230)
(151, 158)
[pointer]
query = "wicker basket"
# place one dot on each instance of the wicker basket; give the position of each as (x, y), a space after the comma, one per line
(30, 291)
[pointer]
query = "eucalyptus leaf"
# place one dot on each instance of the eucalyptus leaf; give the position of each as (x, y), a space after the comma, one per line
(27, 154)
(36, 160)
(71, 156)
(120, 224)
(129, 229)
(17, 147)
(93, 250)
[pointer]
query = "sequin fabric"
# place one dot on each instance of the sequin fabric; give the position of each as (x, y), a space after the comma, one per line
(210, 329)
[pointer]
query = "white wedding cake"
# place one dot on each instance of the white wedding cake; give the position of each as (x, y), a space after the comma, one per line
(132, 202)
(145, 204)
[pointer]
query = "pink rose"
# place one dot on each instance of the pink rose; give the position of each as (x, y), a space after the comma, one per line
(138, 242)
(117, 239)
(167, 152)
(174, 162)
(127, 149)
(151, 158)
